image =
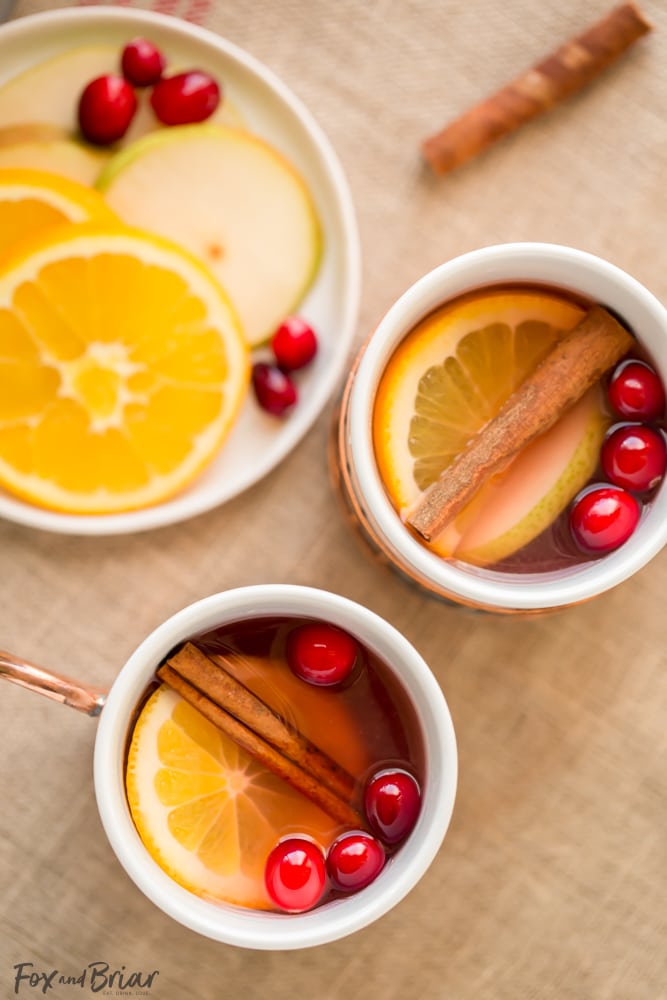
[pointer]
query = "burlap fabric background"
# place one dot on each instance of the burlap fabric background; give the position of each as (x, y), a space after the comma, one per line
(551, 882)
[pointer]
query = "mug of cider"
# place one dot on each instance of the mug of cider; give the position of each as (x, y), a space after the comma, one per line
(275, 766)
(500, 441)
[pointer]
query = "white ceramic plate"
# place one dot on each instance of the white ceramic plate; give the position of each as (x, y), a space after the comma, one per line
(258, 442)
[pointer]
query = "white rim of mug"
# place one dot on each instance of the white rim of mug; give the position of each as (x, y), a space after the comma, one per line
(267, 930)
(547, 263)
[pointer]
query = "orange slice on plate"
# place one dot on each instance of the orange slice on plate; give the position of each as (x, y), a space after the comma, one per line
(449, 377)
(32, 201)
(122, 369)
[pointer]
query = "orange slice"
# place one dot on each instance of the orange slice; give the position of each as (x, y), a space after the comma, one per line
(451, 375)
(32, 201)
(205, 810)
(122, 369)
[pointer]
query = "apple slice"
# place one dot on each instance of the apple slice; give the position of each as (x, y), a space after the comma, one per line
(41, 146)
(232, 200)
(515, 507)
(49, 92)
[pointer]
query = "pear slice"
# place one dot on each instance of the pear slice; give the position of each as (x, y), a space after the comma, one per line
(49, 92)
(28, 132)
(514, 508)
(233, 201)
(42, 146)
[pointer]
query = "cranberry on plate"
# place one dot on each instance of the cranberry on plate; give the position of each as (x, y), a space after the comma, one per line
(294, 344)
(142, 62)
(274, 389)
(185, 98)
(106, 107)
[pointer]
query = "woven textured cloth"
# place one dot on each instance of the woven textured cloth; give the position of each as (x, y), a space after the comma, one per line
(551, 881)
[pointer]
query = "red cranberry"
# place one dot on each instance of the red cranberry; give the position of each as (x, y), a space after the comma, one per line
(185, 98)
(392, 802)
(634, 457)
(602, 518)
(295, 874)
(321, 654)
(106, 108)
(294, 344)
(635, 391)
(142, 62)
(274, 390)
(354, 860)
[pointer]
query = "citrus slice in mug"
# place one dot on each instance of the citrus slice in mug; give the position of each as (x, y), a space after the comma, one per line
(122, 369)
(448, 378)
(32, 201)
(206, 811)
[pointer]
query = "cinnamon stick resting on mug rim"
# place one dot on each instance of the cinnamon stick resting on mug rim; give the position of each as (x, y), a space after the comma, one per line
(572, 366)
(567, 70)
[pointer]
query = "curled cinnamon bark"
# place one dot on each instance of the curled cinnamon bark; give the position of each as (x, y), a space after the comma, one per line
(563, 73)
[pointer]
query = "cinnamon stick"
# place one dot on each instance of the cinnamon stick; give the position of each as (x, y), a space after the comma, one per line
(211, 674)
(254, 726)
(567, 70)
(573, 365)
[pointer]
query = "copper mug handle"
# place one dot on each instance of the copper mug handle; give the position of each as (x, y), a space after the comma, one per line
(63, 689)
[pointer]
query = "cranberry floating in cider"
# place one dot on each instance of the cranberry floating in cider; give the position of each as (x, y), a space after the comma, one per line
(321, 654)
(604, 517)
(634, 456)
(636, 392)
(354, 861)
(295, 874)
(392, 801)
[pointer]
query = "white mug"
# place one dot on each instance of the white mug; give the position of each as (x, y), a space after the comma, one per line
(353, 463)
(224, 922)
